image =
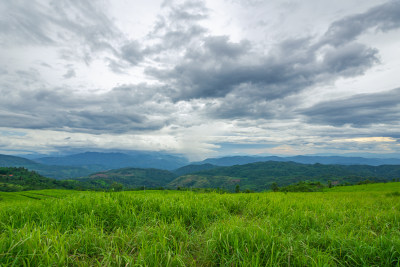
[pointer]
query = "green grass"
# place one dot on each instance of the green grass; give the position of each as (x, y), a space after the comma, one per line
(172, 228)
(7, 197)
(367, 187)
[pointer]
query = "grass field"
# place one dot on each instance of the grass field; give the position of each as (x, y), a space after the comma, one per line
(357, 227)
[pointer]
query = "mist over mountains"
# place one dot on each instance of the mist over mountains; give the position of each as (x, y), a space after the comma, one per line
(83, 164)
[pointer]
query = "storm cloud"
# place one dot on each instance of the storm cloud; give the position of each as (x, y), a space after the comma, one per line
(358, 110)
(384, 17)
(201, 72)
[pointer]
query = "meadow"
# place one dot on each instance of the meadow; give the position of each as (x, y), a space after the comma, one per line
(345, 226)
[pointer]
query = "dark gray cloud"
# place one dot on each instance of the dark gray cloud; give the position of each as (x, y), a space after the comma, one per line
(350, 60)
(69, 74)
(132, 52)
(195, 77)
(241, 107)
(380, 18)
(116, 66)
(249, 83)
(217, 66)
(124, 109)
(206, 72)
(358, 110)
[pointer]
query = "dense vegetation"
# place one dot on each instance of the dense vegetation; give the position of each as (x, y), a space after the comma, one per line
(261, 175)
(258, 176)
(166, 228)
(130, 178)
(20, 179)
(201, 181)
(188, 169)
(254, 177)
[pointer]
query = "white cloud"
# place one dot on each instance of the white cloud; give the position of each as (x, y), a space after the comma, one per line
(186, 76)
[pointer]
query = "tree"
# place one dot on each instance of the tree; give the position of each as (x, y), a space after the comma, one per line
(116, 186)
(274, 187)
(237, 189)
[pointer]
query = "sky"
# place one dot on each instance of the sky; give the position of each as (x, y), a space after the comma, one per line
(200, 78)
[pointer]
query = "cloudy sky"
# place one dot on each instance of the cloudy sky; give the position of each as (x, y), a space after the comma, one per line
(201, 78)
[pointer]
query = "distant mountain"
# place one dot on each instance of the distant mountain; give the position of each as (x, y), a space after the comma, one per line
(13, 161)
(130, 178)
(194, 168)
(260, 175)
(97, 161)
(57, 172)
(344, 160)
(240, 160)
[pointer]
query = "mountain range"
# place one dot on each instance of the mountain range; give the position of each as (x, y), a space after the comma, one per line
(257, 176)
(84, 164)
(57, 172)
(341, 160)
(96, 161)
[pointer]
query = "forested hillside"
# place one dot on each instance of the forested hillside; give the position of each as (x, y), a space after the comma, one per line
(130, 178)
(259, 176)
(20, 179)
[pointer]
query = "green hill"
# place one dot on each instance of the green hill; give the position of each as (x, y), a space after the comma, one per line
(192, 168)
(259, 176)
(21, 179)
(130, 178)
(198, 181)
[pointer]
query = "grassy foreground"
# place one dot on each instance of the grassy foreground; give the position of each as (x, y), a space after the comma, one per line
(360, 227)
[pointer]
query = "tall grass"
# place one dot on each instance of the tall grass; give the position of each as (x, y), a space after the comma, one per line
(165, 228)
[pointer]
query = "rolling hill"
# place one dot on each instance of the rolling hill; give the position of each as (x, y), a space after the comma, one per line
(21, 179)
(130, 178)
(192, 168)
(254, 176)
(260, 175)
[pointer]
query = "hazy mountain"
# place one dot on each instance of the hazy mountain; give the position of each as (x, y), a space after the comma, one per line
(13, 161)
(240, 160)
(57, 172)
(97, 161)
(345, 160)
